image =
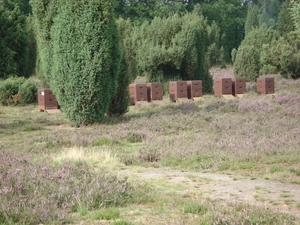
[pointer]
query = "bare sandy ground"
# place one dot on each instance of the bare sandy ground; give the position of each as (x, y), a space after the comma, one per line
(282, 197)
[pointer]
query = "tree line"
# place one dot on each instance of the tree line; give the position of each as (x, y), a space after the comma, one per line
(88, 51)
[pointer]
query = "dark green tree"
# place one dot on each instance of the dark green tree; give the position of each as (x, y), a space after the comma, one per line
(120, 101)
(251, 19)
(83, 39)
(285, 24)
(23, 4)
(139, 11)
(14, 43)
(43, 14)
(295, 13)
(230, 17)
(247, 62)
(268, 12)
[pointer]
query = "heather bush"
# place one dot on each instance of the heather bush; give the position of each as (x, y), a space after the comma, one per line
(287, 98)
(258, 105)
(33, 192)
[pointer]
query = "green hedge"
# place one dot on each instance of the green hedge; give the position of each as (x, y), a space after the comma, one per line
(18, 90)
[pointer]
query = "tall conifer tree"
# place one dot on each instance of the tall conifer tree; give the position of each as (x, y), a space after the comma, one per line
(252, 21)
(285, 24)
(81, 56)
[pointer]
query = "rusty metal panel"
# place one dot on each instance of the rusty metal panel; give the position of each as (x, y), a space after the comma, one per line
(177, 89)
(46, 99)
(265, 85)
(238, 86)
(222, 86)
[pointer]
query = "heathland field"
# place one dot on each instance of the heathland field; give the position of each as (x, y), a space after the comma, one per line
(211, 161)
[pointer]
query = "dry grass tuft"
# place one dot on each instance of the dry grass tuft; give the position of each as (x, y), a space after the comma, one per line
(102, 155)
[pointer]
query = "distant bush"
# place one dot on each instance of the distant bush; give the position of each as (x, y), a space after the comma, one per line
(282, 56)
(247, 59)
(173, 47)
(33, 193)
(9, 89)
(247, 63)
(18, 90)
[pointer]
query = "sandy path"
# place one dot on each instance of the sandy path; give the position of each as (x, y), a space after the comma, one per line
(277, 196)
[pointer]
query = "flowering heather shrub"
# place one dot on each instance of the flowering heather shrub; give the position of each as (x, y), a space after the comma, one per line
(249, 215)
(183, 108)
(149, 154)
(209, 139)
(33, 192)
(256, 105)
(287, 98)
(214, 106)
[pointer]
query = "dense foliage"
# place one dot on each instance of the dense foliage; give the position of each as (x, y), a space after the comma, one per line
(14, 44)
(171, 48)
(247, 60)
(230, 17)
(277, 51)
(285, 22)
(251, 19)
(83, 34)
(18, 90)
(120, 101)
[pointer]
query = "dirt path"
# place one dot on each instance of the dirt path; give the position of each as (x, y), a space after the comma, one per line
(270, 194)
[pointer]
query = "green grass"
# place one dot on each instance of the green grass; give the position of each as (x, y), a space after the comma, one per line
(107, 214)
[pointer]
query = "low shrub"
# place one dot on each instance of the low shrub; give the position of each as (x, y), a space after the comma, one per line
(9, 89)
(18, 90)
(28, 92)
(33, 192)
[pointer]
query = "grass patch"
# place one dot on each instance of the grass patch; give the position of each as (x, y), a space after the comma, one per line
(122, 222)
(107, 214)
(195, 208)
